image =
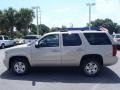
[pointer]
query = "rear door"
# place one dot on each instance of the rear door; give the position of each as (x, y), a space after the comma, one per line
(99, 43)
(72, 49)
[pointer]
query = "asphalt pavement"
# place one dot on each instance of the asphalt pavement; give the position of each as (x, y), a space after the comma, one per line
(60, 78)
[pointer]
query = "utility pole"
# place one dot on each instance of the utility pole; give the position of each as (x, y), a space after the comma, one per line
(90, 5)
(37, 14)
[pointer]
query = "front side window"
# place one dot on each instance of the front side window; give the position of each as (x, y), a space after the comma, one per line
(6, 38)
(50, 41)
(71, 40)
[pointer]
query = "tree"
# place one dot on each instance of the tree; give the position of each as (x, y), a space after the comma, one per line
(107, 23)
(53, 29)
(23, 20)
(2, 23)
(44, 29)
(9, 19)
(33, 29)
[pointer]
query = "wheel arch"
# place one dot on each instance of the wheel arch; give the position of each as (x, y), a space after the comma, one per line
(97, 56)
(14, 57)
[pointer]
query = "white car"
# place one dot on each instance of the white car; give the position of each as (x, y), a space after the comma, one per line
(116, 38)
(91, 50)
(5, 41)
(30, 38)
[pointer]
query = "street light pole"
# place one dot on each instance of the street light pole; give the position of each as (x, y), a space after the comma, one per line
(90, 5)
(40, 18)
(37, 11)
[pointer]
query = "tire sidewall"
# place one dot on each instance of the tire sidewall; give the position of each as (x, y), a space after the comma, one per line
(94, 61)
(27, 67)
(3, 46)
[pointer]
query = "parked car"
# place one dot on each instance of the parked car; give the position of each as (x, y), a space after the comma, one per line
(5, 41)
(19, 41)
(89, 50)
(30, 38)
(116, 38)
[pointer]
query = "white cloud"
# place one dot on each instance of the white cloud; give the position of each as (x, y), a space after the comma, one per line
(107, 6)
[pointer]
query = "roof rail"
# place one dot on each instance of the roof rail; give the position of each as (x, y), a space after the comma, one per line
(78, 29)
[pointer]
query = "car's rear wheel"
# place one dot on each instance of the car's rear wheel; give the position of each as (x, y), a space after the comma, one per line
(91, 67)
(20, 66)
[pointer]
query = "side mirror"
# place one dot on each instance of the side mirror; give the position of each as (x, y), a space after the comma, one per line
(37, 45)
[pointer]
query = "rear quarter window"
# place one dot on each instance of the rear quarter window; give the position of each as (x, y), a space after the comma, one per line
(97, 38)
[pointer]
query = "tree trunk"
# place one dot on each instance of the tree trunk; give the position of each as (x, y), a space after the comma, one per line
(11, 33)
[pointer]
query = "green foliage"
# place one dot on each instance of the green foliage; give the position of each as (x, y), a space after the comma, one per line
(9, 20)
(54, 29)
(107, 23)
(23, 20)
(18, 34)
(33, 29)
(44, 29)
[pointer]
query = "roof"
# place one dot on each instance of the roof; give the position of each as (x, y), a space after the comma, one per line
(81, 29)
(76, 31)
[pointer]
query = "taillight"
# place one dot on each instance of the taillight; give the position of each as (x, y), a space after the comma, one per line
(118, 40)
(114, 50)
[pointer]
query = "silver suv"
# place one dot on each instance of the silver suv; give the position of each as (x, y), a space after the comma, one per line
(90, 50)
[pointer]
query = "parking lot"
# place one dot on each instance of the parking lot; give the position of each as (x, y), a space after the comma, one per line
(60, 79)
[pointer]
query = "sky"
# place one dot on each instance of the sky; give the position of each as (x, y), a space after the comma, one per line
(55, 13)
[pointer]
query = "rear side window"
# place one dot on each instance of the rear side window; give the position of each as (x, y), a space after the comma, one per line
(71, 40)
(97, 38)
(6, 38)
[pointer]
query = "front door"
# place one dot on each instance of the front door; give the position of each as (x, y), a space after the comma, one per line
(48, 54)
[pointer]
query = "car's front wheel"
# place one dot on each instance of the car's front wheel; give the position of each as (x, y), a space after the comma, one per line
(20, 66)
(3, 46)
(91, 67)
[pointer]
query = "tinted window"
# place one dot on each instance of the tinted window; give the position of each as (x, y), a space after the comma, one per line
(71, 40)
(1, 38)
(6, 38)
(50, 41)
(97, 38)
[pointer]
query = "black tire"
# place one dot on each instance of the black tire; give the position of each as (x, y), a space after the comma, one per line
(20, 66)
(91, 67)
(3, 46)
